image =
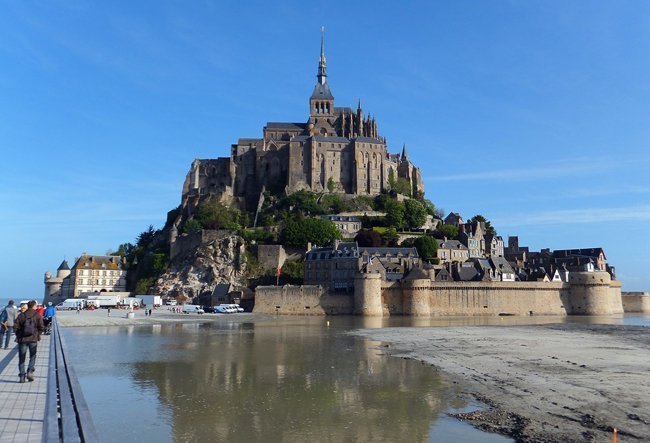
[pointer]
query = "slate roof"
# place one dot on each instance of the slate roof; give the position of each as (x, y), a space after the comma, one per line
(451, 244)
(587, 252)
(98, 262)
(286, 125)
(417, 274)
(322, 91)
(349, 218)
(501, 265)
(341, 110)
(345, 250)
(248, 141)
(466, 273)
(320, 138)
(368, 140)
(382, 251)
(222, 289)
(63, 266)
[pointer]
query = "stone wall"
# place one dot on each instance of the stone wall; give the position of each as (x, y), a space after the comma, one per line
(301, 300)
(271, 256)
(636, 302)
(588, 294)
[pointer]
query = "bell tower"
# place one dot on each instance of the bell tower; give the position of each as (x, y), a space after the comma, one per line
(321, 102)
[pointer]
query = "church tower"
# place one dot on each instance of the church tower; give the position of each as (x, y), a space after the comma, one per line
(321, 102)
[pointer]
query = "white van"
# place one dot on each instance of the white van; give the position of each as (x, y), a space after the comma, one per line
(192, 309)
(237, 308)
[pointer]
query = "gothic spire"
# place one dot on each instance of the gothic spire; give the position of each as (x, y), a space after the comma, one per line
(404, 156)
(322, 63)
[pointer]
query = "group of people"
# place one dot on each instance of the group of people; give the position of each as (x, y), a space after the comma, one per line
(28, 323)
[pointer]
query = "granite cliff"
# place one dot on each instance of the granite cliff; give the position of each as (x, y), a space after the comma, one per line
(198, 270)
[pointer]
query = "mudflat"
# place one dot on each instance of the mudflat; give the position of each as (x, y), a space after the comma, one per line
(547, 383)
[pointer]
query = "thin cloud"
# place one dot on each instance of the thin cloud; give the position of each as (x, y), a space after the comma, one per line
(571, 216)
(565, 168)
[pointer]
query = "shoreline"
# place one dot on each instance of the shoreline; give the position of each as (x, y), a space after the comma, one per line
(99, 317)
(542, 383)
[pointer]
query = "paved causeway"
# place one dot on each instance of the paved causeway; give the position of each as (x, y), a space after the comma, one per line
(22, 405)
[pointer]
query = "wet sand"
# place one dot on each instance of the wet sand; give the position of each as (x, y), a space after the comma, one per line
(118, 317)
(547, 383)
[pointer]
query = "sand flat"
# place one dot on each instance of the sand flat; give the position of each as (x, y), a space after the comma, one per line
(565, 382)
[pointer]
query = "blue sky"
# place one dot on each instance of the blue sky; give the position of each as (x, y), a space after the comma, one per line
(533, 113)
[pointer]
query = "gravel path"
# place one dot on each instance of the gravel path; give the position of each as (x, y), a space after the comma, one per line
(550, 383)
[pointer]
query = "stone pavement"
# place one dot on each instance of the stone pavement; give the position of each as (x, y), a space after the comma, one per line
(22, 405)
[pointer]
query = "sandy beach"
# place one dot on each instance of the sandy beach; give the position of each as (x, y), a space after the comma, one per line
(549, 383)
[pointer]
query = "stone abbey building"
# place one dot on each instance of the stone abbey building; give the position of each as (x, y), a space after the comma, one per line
(336, 146)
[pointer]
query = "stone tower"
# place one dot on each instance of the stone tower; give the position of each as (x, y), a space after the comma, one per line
(321, 102)
(53, 285)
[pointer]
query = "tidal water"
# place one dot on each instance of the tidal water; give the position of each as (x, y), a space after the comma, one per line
(289, 379)
(272, 379)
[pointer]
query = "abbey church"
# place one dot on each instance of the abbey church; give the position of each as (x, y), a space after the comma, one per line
(337, 146)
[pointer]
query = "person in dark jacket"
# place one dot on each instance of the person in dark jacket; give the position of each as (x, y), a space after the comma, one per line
(28, 328)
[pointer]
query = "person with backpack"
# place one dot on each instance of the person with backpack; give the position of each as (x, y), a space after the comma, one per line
(48, 316)
(7, 319)
(28, 328)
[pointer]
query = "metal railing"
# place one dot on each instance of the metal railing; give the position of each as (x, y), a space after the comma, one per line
(67, 418)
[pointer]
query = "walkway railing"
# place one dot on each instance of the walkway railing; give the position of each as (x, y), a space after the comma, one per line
(67, 418)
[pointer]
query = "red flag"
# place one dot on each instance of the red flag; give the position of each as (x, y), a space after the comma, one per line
(278, 274)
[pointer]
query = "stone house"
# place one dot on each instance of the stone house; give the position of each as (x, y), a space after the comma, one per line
(451, 251)
(472, 236)
(454, 219)
(502, 269)
(348, 226)
(494, 245)
(332, 267)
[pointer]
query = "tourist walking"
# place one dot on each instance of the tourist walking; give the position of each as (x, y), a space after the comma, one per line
(7, 319)
(48, 317)
(28, 328)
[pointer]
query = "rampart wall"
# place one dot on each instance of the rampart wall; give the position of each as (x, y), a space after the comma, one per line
(301, 300)
(586, 294)
(636, 302)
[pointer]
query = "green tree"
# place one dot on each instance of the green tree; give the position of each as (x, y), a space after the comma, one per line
(330, 185)
(215, 215)
(381, 201)
(429, 206)
(403, 186)
(478, 218)
(449, 231)
(415, 214)
(145, 238)
(309, 230)
(392, 183)
(394, 214)
(390, 237)
(427, 247)
(368, 237)
(292, 272)
(191, 226)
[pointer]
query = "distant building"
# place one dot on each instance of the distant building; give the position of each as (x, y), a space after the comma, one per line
(336, 148)
(336, 266)
(349, 226)
(452, 251)
(89, 274)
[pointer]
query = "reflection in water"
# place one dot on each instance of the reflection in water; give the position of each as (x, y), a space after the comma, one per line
(293, 379)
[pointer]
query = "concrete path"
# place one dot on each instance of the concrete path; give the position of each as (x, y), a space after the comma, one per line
(22, 405)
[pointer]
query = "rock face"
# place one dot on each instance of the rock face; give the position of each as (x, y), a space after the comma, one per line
(198, 271)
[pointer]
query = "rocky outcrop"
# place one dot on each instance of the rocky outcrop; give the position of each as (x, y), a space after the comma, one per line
(198, 271)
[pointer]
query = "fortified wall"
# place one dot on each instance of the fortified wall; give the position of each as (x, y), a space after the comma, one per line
(586, 293)
(638, 302)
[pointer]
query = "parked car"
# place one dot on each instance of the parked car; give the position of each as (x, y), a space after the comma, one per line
(222, 309)
(208, 309)
(237, 308)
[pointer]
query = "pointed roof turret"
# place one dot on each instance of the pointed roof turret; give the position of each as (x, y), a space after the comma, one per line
(322, 89)
(63, 266)
(404, 156)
